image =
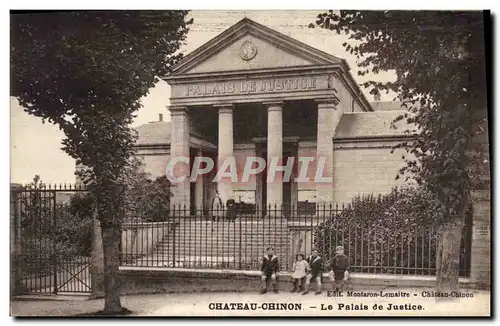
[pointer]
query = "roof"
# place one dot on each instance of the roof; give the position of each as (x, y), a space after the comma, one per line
(153, 133)
(386, 106)
(371, 125)
(247, 26)
(159, 132)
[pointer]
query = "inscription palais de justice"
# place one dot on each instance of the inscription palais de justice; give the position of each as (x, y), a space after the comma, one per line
(252, 86)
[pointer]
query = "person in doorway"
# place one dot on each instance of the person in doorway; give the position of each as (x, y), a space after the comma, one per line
(300, 268)
(269, 270)
(339, 269)
(231, 210)
(315, 271)
(216, 206)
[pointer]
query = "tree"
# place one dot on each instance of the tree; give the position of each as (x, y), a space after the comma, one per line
(86, 72)
(146, 198)
(439, 61)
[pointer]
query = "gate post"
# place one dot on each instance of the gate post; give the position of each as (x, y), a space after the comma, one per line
(96, 261)
(481, 239)
(15, 240)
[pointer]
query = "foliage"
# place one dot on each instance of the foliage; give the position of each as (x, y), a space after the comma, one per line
(146, 198)
(74, 225)
(86, 72)
(50, 229)
(387, 233)
(439, 61)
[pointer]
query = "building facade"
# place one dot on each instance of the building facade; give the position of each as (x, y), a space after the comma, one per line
(254, 92)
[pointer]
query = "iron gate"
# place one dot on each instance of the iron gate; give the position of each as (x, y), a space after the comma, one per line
(50, 246)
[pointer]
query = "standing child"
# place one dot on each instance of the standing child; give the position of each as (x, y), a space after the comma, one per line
(269, 269)
(300, 268)
(339, 269)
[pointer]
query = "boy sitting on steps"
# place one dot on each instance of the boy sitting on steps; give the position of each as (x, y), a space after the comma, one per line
(269, 269)
(315, 271)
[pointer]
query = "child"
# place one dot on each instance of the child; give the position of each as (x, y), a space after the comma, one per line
(300, 268)
(315, 271)
(269, 269)
(339, 269)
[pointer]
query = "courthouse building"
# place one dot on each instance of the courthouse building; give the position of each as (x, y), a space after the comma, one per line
(254, 92)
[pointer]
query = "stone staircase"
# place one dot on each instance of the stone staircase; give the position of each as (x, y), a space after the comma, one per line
(200, 243)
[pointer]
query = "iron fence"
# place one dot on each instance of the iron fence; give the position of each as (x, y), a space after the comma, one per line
(237, 238)
(50, 250)
(51, 237)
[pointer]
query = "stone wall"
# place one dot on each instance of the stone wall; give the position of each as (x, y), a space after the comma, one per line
(154, 160)
(481, 240)
(365, 167)
(151, 280)
(141, 239)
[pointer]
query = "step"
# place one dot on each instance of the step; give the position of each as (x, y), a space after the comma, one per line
(225, 239)
(213, 241)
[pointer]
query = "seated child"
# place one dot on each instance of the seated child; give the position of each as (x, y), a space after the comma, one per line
(339, 269)
(269, 269)
(300, 268)
(315, 271)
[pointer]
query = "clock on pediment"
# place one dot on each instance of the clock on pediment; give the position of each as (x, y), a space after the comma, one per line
(248, 51)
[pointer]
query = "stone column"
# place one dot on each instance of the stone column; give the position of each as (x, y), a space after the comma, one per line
(179, 150)
(199, 189)
(97, 260)
(480, 273)
(274, 151)
(225, 148)
(329, 114)
(16, 250)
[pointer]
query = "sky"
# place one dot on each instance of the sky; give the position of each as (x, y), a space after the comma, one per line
(36, 148)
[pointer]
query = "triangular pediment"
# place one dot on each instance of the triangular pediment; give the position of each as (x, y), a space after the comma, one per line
(248, 45)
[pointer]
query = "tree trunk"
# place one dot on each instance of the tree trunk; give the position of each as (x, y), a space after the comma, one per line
(111, 247)
(448, 255)
(97, 260)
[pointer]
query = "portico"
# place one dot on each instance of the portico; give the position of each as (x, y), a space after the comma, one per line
(255, 92)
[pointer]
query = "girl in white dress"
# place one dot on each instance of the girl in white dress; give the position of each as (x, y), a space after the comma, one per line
(300, 268)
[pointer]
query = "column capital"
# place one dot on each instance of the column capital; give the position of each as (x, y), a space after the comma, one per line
(273, 105)
(328, 103)
(177, 110)
(224, 107)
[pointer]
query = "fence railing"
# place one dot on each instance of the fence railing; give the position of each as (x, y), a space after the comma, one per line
(51, 236)
(237, 238)
(50, 250)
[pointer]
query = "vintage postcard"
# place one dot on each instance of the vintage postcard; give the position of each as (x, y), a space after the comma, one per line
(250, 163)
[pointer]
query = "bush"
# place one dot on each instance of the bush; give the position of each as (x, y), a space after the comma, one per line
(394, 233)
(146, 198)
(50, 232)
(74, 226)
(154, 204)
